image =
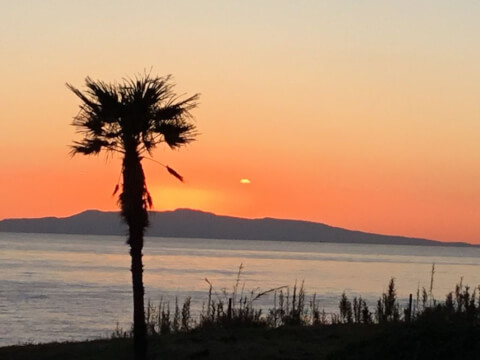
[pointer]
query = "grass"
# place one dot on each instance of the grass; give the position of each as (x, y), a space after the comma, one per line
(230, 327)
(332, 342)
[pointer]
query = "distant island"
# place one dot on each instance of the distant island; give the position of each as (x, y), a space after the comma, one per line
(187, 223)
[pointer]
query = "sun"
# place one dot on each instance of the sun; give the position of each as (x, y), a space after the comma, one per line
(245, 181)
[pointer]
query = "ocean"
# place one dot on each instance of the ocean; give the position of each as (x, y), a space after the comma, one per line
(57, 287)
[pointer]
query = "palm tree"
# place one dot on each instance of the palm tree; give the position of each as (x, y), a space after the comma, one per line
(132, 118)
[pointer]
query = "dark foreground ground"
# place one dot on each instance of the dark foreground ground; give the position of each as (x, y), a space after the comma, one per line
(389, 341)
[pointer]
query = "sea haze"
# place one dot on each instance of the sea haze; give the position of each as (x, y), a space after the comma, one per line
(71, 287)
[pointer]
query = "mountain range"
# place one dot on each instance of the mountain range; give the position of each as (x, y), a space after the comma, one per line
(189, 223)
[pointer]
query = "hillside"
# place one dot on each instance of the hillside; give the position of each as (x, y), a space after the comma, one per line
(199, 224)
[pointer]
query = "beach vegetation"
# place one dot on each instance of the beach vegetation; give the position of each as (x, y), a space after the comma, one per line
(294, 327)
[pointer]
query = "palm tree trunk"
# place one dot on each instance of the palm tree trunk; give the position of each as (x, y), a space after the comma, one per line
(139, 326)
(134, 212)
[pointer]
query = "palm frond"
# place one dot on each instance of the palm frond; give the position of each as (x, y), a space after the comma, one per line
(89, 146)
(174, 173)
(141, 112)
(176, 135)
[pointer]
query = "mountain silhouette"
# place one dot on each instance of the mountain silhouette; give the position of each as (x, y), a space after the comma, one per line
(189, 223)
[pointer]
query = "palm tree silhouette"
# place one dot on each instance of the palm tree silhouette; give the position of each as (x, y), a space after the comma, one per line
(132, 118)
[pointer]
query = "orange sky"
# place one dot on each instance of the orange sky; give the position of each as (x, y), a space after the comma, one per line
(360, 115)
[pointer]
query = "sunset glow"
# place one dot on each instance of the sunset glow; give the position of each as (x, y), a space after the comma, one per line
(362, 115)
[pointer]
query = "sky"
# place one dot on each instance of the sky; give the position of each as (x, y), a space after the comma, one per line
(359, 114)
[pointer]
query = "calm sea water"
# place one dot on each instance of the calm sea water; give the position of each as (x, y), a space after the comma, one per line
(73, 287)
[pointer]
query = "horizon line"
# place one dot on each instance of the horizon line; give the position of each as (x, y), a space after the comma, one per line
(250, 218)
